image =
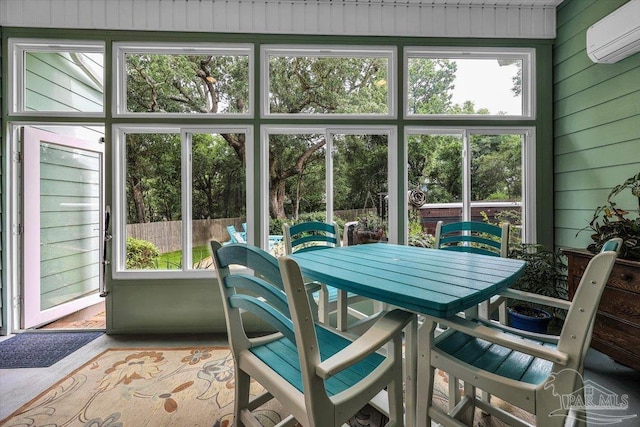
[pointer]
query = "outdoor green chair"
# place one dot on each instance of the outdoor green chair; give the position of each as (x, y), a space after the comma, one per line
(479, 238)
(315, 235)
(536, 372)
(316, 373)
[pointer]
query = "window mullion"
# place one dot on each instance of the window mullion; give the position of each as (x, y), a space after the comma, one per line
(186, 177)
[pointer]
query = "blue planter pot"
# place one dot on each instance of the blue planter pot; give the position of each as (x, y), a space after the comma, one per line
(536, 324)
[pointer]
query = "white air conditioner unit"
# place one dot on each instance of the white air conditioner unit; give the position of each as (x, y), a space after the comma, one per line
(615, 36)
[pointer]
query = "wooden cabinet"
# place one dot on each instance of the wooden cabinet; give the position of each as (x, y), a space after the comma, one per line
(617, 329)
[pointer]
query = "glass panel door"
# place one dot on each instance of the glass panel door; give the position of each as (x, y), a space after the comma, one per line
(62, 225)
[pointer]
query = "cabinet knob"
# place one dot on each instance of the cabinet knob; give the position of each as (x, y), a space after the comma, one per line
(626, 277)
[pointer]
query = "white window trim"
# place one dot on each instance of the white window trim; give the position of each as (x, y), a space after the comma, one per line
(120, 49)
(17, 48)
(329, 131)
(119, 270)
(527, 55)
(389, 52)
(528, 167)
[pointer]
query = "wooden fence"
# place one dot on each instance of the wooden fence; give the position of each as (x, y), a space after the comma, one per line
(167, 235)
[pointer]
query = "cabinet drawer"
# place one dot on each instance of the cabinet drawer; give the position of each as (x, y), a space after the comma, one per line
(621, 304)
(625, 277)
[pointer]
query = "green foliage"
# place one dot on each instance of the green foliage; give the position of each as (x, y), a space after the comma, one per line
(141, 254)
(609, 221)
(545, 273)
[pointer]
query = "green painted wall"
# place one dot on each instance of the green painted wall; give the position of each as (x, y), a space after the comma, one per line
(596, 123)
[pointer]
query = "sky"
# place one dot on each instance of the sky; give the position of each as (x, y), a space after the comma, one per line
(487, 84)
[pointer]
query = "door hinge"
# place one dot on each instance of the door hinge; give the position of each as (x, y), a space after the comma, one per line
(17, 156)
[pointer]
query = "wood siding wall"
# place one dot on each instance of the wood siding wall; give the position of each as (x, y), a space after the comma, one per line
(353, 17)
(596, 123)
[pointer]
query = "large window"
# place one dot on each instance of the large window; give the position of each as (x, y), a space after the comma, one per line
(480, 83)
(472, 174)
(328, 81)
(184, 116)
(328, 174)
(60, 78)
(178, 189)
(180, 79)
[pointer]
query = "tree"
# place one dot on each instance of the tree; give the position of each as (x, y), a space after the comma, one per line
(210, 84)
(430, 85)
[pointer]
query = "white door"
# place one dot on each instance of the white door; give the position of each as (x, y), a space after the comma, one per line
(63, 198)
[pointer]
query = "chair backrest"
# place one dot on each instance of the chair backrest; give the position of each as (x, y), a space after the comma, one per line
(473, 236)
(264, 294)
(312, 235)
(575, 337)
(239, 289)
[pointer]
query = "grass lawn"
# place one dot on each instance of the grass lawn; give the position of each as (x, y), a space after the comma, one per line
(173, 260)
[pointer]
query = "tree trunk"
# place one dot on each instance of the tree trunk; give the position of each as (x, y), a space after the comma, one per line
(277, 196)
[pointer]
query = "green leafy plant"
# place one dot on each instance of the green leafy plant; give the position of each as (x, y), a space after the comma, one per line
(609, 221)
(141, 254)
(545, 273)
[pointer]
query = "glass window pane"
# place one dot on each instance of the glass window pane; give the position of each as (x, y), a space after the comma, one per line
(153, 205)
(173, 83)
(435, 167)
(64, 81)
(328, 85)
(219, 193)
(496, 179)
(297, 183)
(360, 186)
(444, 85)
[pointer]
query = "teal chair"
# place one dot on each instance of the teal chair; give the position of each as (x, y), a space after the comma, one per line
(312, 236)
(479, 238)
(318, 375)
(535, 372)
(236, 236)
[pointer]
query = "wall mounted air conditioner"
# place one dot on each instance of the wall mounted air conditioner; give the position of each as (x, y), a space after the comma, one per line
(616, 36)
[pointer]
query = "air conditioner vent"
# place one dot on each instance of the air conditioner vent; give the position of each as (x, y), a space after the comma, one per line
(616, 36)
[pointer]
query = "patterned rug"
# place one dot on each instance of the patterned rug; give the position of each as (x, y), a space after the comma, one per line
(159, 387)
(41, 349)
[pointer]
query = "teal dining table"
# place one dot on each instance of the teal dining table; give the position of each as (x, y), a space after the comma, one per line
(431, 282)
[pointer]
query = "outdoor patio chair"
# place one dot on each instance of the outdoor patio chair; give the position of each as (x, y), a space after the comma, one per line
(315, 235)
(318, 375)
(479, 238)
(236, 236)
(536, 372)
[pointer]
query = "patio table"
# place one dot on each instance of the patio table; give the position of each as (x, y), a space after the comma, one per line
(431, 282)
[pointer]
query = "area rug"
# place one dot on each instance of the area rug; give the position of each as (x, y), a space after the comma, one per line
(41, 349)
(157, 387)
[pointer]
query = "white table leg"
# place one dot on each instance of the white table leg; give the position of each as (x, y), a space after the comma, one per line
(410, 374)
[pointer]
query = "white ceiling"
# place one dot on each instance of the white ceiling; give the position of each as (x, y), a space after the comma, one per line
(488, 3)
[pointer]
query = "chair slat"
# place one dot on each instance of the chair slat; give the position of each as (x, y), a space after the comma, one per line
(272, 294)
(265, 312)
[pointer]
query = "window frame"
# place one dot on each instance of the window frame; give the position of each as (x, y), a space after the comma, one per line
(119, 132)
(18, 47)
(119, 90)
(527, 55)
(330, 130)
(330, 51)
(528, 168)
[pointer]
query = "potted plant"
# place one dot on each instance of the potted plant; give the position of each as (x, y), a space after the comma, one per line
(545, 273)
(370, 229)
(609, 221)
